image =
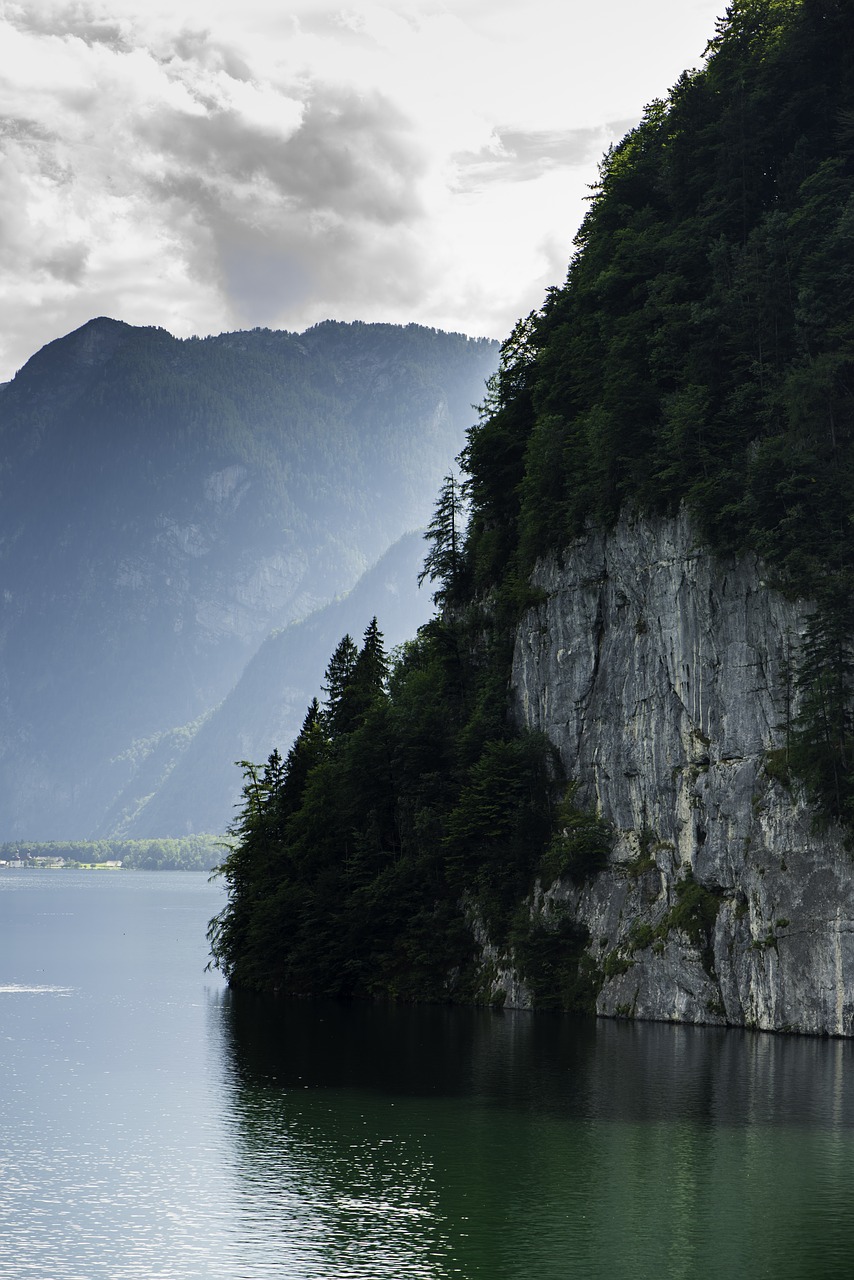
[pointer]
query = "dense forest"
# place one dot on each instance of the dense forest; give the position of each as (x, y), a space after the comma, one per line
(699, 354)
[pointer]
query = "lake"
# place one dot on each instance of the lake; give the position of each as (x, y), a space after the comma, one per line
(154, 1125)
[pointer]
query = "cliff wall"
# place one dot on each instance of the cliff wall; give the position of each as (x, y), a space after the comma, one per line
(659, 673)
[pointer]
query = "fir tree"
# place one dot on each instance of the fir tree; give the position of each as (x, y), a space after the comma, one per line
(338, 675)
(442, 562)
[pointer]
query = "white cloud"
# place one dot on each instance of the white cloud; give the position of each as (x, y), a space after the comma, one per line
(211, 166)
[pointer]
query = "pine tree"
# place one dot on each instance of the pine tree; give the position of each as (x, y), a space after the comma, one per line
(338, 675)
(309, 748)
(442, 562)
(367, 683)
(371, 670)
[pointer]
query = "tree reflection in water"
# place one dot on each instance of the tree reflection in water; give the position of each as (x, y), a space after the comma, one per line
(378, 1140)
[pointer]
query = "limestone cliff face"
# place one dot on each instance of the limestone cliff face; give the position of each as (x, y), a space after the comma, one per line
(659, 674)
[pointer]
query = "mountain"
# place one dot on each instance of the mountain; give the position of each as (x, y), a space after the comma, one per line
(167, 504)
(616, 774)
(266, 706)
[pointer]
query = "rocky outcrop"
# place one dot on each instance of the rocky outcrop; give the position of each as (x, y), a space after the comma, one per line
(660, 674)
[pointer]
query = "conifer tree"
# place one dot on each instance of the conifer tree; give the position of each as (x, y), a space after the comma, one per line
(338, 675)
(442, 562)
(308, 750)
(371, 670)
(822, 741)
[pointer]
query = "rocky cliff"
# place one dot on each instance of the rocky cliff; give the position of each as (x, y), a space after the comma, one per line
(660, 674)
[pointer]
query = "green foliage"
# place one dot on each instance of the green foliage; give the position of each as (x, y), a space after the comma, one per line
(695, 913)
(498, 826)
(776, 766)
(701, 351)
(550, 955)
(615, 964)
(405, 803)
(580, 845)
(187, 853)
(443, 562)
(641, 936)
(821, 750)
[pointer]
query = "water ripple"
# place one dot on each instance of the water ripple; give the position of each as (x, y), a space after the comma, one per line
(21, 988)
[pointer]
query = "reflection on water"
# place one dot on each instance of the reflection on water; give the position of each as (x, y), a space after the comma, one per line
(156, 1127)
(637, 1071)
(433, 1142)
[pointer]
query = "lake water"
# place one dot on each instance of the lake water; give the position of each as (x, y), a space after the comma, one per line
(153, 1125)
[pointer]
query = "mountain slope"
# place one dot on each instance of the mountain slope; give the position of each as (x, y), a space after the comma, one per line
(166, 504)
(267, 704)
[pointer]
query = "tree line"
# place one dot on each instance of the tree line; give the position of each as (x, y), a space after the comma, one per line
(406, 815)
(184, 853)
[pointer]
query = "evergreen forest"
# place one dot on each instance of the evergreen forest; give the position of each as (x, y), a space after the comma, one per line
(700, 354)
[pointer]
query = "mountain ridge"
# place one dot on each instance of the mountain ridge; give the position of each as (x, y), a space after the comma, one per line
(169, 502)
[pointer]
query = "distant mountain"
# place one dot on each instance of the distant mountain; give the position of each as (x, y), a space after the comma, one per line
(166, 504)
(192, 777)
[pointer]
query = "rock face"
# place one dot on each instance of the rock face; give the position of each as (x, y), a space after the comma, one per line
(660, 674)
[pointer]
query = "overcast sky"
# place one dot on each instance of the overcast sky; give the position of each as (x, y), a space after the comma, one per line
(212, 166)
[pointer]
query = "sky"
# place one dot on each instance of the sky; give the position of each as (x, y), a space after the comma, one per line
(225, 165)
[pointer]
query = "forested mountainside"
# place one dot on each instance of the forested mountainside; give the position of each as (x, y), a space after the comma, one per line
(167, 504)
(672, 430)
(202, 789)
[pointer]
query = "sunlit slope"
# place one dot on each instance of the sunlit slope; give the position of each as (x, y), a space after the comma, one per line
(165, 504)
(267, 705)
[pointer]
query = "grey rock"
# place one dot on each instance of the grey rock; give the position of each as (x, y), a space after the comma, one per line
(659, 673)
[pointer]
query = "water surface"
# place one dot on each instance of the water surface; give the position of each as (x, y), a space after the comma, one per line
(154, 1125)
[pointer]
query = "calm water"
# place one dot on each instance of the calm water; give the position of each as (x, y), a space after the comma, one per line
(153, 1126)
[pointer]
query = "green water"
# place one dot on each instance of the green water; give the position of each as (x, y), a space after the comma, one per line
(152, 1125)
(439, 1143)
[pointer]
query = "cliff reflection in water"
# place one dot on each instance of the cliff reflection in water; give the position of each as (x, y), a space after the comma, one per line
(378, 1140)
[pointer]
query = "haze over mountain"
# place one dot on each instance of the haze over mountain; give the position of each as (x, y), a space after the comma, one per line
(167, 504)
(191, 784)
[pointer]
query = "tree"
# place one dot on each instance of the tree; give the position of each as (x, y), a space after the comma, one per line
(367, 685)
(442, 562)
(822, 739)
(309, 749)
(371, 670)
(338, 675)
(354, 679)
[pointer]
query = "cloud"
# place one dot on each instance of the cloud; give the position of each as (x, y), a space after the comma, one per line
(262, 197)
(519, 155)
(336, 155)
(290, 206)
(225, 167)
(78, 20)
(68, 262)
